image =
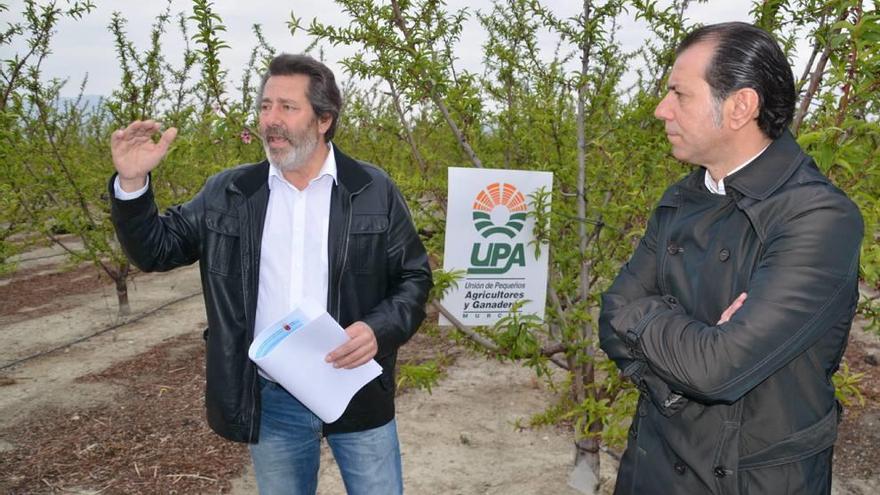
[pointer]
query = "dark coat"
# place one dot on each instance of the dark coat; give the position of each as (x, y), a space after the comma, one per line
(378, 270)
(746, 406)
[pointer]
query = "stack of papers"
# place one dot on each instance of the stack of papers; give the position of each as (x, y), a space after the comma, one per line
(292, 351)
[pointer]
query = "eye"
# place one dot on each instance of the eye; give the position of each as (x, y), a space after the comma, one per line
(288, 107)
(264, 106)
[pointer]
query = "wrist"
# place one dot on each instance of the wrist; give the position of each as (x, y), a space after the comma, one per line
(132, 184)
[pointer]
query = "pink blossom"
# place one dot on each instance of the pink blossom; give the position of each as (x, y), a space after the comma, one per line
(246, 136)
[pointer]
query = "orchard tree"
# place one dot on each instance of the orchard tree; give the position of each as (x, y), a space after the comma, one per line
(56, 154)
(414, 111)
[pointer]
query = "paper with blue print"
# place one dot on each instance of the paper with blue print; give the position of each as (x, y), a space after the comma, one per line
(292, 353)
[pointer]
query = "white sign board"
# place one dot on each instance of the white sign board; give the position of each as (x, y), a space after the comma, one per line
(488, 236)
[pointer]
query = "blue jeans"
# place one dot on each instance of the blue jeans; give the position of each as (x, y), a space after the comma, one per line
(287, 456)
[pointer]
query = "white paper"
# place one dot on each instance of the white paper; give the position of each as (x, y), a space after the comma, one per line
(292, 352)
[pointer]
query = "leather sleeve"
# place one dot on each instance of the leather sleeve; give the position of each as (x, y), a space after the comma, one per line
(803, 285)
(156, 242)
(396, 318)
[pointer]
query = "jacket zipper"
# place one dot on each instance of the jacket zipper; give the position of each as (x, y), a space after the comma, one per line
(253, 411)
(340, 267)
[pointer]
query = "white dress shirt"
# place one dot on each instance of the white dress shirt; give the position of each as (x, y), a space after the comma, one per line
(293, 259)
(719, 187)
(293, 256)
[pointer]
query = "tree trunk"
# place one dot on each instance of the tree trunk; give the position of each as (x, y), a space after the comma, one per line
(122, 297)
(585, 475)
(121, 279)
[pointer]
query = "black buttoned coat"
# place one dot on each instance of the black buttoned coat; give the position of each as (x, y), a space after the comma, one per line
(748, 406)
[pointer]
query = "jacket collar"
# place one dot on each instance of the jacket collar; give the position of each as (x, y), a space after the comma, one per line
(252, 178)
(770, 170)
(349, 173)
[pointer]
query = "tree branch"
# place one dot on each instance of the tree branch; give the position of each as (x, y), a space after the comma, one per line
(459, 135)
(815, 79)
(474, 336)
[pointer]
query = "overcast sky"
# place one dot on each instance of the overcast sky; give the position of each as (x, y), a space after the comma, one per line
(86, 46)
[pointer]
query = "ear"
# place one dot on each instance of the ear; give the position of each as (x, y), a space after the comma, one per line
(324, 122)
(743, 108)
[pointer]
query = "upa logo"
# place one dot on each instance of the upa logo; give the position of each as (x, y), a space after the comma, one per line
(499, 210)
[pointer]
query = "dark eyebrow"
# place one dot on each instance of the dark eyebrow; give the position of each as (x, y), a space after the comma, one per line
(281, 100)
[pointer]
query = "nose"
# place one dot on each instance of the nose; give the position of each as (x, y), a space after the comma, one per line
(663, 110)
(269, 116)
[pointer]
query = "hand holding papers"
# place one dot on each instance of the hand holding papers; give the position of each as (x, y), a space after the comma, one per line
(357, 351)
(293, 353)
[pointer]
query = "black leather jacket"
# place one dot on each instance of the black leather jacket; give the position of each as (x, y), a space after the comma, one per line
(746, 406)
(378, 268)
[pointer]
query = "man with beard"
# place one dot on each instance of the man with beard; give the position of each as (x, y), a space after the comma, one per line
(309, 221)
(733, 313)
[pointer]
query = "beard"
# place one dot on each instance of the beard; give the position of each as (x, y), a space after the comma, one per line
(302, 145)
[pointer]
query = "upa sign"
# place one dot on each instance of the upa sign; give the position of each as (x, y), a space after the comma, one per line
(489, 237)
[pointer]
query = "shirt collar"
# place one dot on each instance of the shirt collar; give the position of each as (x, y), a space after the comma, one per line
(327, 169)
(773, 169)
(719, 187)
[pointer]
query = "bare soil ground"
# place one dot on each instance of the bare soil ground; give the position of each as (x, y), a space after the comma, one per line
(120, 410)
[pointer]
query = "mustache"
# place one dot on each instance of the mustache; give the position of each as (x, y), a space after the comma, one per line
(277, 131)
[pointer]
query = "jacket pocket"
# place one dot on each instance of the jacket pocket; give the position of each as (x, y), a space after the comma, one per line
(220, 242)
(368, 233)
(799, 445)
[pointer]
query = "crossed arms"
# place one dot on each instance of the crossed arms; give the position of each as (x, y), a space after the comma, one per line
(802, 285)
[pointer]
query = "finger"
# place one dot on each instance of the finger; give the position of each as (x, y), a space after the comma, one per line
(143, 129)
(728, 313)
(341, 351)
(355, 342)
(356, 358)
(360, 362)
(345, 357)
(134, 130)
(167, 137)
(133, 125)
(355, 329)
(117, 138)
(725, 316)
(353, 360)
(356, 351)
(733, 308)
(138, 127)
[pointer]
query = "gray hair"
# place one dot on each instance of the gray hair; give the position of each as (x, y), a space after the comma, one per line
(323, 93)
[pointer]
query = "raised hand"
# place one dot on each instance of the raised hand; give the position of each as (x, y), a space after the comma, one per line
(135, 154)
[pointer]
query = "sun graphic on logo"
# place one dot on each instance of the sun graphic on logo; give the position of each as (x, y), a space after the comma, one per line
(499, 209)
